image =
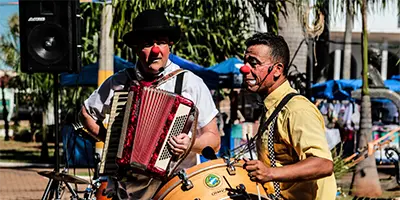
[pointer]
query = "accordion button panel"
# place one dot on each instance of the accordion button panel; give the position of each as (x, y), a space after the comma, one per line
(176, 128)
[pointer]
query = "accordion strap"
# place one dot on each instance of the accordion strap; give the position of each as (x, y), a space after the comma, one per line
(179, 83)
(165, 78)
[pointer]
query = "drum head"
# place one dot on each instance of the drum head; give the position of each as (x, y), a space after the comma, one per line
(211, 180)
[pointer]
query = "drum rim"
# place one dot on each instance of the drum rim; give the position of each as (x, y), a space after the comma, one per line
(192, 172)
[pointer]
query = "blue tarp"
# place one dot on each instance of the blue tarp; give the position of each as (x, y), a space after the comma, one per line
(396, 77)
(341, 89)
(209, 77)
(224, 74)
(88, 74)
(230, 66)
(229, 75)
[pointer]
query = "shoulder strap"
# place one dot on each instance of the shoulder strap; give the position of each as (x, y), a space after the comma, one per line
(166, 77)
(281, 104)
(131, 76)
(179, 83)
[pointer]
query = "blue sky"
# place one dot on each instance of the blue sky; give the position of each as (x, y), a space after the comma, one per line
(5, 12)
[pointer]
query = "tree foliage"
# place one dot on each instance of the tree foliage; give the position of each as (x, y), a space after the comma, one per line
(9, 43)
(90, 30)
(37, 86)
(211, 30)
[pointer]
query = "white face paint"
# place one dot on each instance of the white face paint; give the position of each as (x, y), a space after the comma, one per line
(252, 82)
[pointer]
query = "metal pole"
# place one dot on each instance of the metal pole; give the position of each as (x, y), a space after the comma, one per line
(106, 57)
(5, 111)
(310, 67)
(57, 144)
(47, 190)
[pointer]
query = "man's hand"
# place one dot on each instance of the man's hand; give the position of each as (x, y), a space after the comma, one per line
(179, 144)
(258, 172)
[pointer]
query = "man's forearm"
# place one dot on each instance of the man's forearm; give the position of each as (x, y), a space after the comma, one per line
(93, 128)
(208, 136)
(206, 139)
(309, 169)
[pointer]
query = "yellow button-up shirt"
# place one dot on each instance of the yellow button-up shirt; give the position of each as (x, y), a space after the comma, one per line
(299, 133)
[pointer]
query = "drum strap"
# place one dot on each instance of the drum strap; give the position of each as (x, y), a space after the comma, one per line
(271, 153)
(270, 126)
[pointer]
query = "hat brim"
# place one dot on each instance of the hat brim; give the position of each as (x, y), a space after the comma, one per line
(133, 37)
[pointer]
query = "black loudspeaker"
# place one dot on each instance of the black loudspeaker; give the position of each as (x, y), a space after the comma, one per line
(50, 36)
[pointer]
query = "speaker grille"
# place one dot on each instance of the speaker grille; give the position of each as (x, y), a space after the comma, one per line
(47, 43)
(49, 38)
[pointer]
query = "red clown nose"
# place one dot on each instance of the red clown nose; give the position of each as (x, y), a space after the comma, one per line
(155, 50)
(245, 69)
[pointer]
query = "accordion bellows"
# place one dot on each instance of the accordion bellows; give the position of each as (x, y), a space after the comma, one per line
(150, 117)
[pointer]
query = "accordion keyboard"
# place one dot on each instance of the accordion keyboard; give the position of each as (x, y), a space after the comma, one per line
(112, 145)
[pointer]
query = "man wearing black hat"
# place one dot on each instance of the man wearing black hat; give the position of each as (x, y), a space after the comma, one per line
(151, 39)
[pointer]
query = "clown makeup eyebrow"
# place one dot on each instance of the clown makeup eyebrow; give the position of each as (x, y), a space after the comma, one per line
(253, 61)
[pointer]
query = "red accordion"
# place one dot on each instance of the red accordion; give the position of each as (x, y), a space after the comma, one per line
(141, 122)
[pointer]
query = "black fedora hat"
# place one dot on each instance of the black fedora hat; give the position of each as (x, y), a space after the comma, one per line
(151, 23)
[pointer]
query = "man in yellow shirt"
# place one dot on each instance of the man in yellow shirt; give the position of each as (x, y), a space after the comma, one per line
(299, 164)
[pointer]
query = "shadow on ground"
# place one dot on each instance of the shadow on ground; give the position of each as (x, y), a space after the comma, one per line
(25, 156)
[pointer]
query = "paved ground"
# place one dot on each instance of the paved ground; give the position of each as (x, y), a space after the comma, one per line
(21, 181)
(18, 176)
(26, 184)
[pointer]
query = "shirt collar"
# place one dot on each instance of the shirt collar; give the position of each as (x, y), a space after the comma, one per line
(278, 94)
(169, 67)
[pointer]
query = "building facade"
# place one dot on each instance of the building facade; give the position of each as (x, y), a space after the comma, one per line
(383, 38)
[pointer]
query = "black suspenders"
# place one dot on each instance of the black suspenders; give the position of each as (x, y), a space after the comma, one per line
(178, 83)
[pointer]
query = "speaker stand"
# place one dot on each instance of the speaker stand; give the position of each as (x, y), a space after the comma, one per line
(54, 185)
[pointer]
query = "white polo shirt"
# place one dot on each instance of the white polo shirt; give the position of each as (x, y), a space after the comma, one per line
(193, 88)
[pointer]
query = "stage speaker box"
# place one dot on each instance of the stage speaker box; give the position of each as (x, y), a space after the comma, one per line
(50, 36)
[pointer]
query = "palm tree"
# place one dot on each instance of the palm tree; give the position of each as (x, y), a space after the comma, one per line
(299, 33)
(348, 38)
(365, 178)
(292, 29)
(91, 15)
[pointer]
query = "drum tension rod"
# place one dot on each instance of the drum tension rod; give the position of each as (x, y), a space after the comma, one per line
(231, 170)
(230, 166)
(186, 183)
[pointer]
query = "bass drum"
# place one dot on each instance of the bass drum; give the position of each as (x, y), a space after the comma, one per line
(209, 183)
